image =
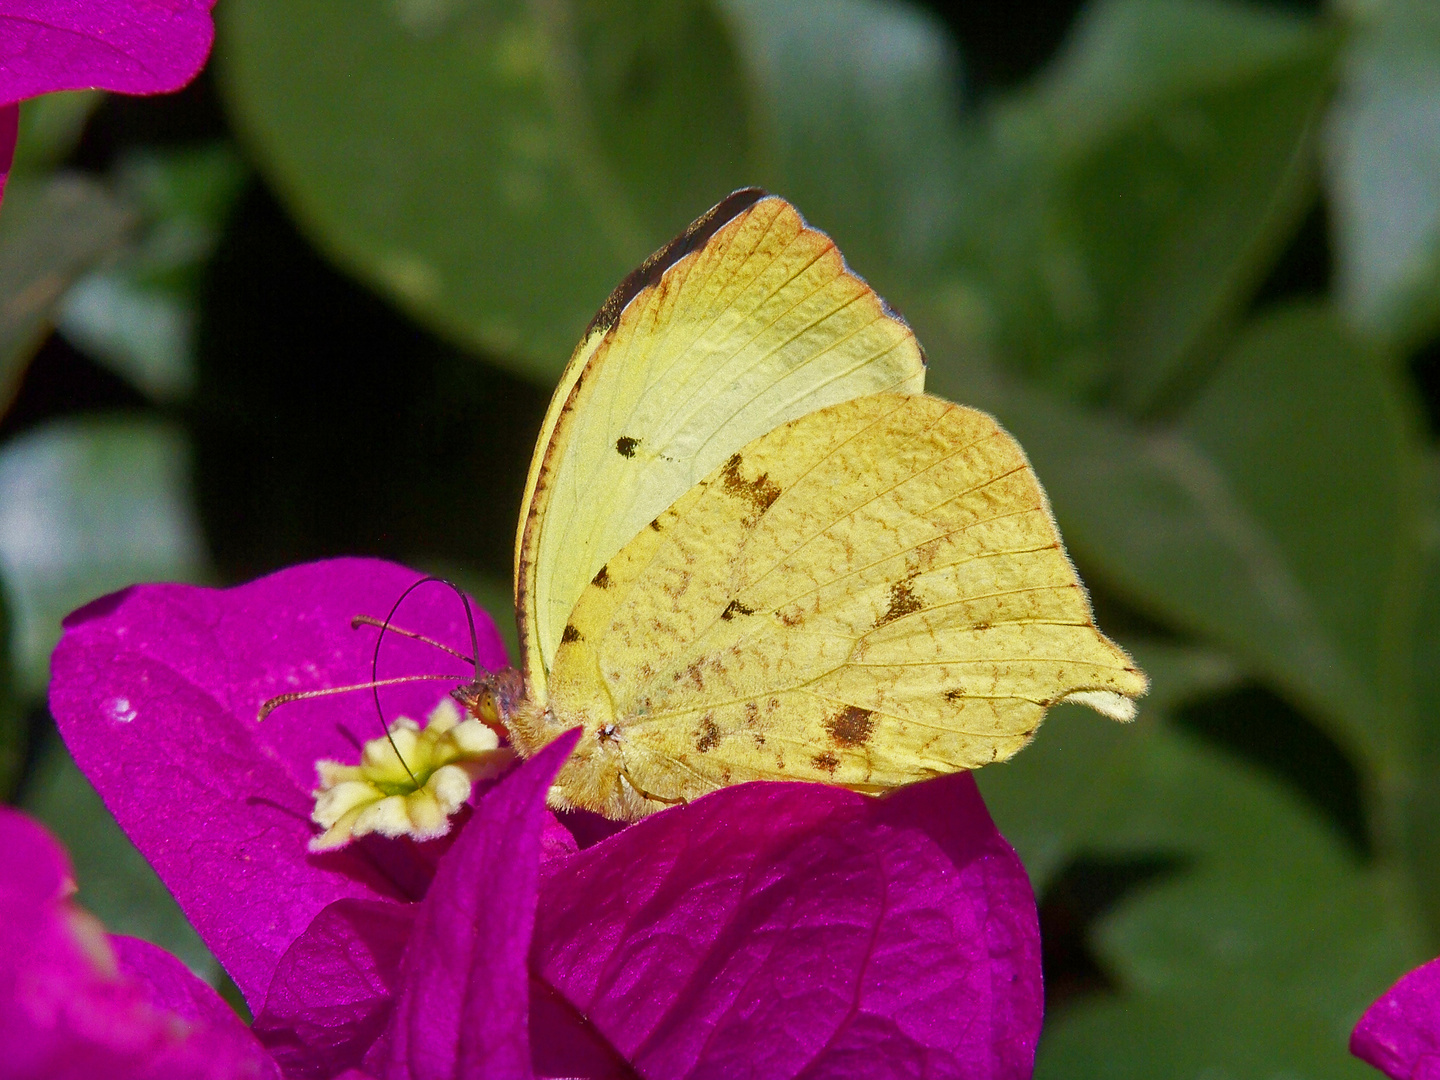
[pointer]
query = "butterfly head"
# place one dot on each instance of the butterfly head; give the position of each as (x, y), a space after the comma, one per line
(491, 696)
(501, 701)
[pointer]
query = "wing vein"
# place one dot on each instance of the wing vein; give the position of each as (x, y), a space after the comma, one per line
(783, 560)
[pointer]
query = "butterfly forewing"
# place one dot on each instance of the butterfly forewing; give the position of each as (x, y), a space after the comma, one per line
(759, 324)
(868, 595)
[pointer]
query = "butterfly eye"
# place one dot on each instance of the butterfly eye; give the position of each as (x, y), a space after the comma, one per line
(487, 708)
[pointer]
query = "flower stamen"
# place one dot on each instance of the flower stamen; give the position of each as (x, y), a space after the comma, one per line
(409, 781)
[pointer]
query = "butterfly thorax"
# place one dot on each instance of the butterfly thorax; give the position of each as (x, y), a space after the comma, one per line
(594, 777)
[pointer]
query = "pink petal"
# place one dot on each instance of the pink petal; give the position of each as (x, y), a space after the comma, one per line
(331, 995)
(564, 1043)
(156, 690)
(74, 1005)
(217, 1034)
(9, 130)
(556, 841)
(35, 871)
(463, 1007)
(775, 930)
(131, 46)
(1400, 1033)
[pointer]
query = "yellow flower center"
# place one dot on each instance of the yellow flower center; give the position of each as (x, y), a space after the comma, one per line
(414, 793)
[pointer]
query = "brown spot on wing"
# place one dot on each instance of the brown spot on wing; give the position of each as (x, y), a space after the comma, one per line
(903, 601)
(694, 671)
(602, 579)
(851, 726)
(923, 557)
(736, 608)
(826, 762)
(955, 695)
(675, 588)
(708, 736)
(760, 493)
(570, 634)
(625, 446)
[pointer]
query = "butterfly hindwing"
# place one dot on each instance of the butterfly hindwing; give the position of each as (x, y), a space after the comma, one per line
(750, 319)
(869, 595)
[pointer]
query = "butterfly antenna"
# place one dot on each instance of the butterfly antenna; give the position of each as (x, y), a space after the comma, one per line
(301, 695)
(375, 674)
(470, 621)
(370, 620)
(380, 638)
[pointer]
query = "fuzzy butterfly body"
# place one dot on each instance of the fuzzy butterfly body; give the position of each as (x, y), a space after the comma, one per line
(753, 548)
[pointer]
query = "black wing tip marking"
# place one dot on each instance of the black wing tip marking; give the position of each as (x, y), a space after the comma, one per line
(694, 237)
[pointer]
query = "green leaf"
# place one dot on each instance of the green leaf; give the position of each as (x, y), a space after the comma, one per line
(116, 883)
(50, 128)
(1419, 802)
(1065, 793)
(1129, 202)
(1316, 445)
(144, 335)
(1279, 517)
(858, 113)
(138, 315)
(1384, 172)
(1260, 956)
(495, 166)
(1257, 955)
(185, 195)
(51, 232)
(87, 507)
(1218, 1029)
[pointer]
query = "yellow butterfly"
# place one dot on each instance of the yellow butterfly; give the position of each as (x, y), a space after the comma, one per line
(752, 548)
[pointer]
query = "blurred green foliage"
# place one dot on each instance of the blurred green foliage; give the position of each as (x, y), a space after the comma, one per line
(315, 305)
(88, 506)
